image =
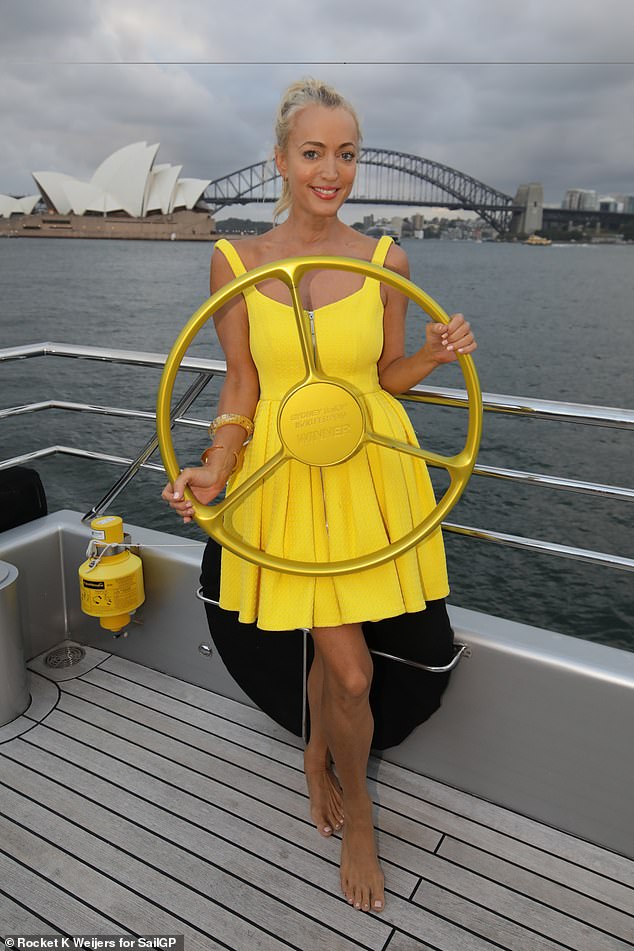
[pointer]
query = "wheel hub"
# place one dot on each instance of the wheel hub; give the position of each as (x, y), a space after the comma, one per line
(321, 424)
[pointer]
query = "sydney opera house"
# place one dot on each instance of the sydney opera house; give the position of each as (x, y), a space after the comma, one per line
(127, 187)
(17, 206)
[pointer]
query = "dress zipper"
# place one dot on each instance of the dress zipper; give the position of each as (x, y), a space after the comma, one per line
(311, 317)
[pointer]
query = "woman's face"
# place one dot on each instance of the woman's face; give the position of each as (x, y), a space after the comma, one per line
(320, 159)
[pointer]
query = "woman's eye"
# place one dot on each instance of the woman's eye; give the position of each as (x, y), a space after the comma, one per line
(348, 156)
(310, 154)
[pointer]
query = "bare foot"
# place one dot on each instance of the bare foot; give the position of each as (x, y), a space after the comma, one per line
(326, 798)
(361, 877)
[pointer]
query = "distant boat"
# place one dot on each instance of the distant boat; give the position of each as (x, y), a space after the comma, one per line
(536, 239)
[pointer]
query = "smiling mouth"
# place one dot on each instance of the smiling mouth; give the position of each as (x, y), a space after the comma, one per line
(325, 192)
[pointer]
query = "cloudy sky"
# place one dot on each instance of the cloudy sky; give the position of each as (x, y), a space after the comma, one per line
(507, 91)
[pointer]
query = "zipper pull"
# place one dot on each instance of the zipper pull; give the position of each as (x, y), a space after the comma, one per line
(311, 317)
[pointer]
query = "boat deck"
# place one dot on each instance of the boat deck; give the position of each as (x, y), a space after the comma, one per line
(135, 803)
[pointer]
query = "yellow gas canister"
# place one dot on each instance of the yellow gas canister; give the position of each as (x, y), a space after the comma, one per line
(111, 579)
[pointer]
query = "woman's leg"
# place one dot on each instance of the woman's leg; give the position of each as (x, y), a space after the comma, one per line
(326, 800)
(348, 728)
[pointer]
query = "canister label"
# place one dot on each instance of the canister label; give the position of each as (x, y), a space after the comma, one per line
(119, 596)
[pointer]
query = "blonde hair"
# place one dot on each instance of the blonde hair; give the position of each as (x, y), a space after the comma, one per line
(304, 92)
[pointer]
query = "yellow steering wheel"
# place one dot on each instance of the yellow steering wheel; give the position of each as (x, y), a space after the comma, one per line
(322, 421)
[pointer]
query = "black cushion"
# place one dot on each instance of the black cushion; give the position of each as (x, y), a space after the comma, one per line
(22, 497)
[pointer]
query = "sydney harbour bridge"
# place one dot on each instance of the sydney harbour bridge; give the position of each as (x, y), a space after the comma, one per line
(384, 177)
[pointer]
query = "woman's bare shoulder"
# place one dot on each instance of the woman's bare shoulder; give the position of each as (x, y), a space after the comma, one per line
(363, 246)
(396, 260)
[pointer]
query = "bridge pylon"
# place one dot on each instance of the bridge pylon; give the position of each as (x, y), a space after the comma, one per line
(528, 211)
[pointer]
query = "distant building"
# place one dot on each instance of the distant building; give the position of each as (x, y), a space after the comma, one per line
(378, 230)
(126, 182)
(608, 203)
(580, 199)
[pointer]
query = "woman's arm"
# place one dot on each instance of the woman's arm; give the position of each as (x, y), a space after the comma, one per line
(240, 393)
(397, 372)
(241, 389)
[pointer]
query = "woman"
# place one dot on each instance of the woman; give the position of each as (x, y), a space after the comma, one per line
(324, 514)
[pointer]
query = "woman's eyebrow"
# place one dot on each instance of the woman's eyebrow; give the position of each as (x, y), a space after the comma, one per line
(323, 146)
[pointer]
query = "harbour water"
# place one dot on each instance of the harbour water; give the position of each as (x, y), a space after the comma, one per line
(554, 323)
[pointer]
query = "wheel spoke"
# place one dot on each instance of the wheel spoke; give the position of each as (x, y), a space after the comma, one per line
(303, 326)
(455, 465)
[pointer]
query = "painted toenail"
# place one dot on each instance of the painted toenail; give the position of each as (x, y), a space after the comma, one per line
(327, 829)
(378, 904)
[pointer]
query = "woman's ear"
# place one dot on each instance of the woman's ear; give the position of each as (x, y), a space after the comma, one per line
(280, 162)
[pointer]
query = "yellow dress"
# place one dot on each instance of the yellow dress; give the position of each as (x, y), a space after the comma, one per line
(337, 512)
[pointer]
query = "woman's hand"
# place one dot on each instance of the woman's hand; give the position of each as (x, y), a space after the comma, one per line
(205, 482)
(445, 341)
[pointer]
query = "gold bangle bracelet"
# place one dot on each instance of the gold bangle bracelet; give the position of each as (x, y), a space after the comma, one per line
(203, 458)
(228, 419)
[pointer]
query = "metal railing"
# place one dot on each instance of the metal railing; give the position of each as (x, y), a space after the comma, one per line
(205, 370)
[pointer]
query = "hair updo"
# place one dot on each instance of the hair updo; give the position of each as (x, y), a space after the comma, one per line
(304, 92)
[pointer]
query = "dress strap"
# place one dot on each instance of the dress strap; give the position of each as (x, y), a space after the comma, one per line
(233, 258)
(380, 252)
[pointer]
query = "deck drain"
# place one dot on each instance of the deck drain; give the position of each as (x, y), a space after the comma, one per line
(66, 656)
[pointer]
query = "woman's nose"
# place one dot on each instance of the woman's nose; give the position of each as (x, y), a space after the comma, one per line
(329, 167)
